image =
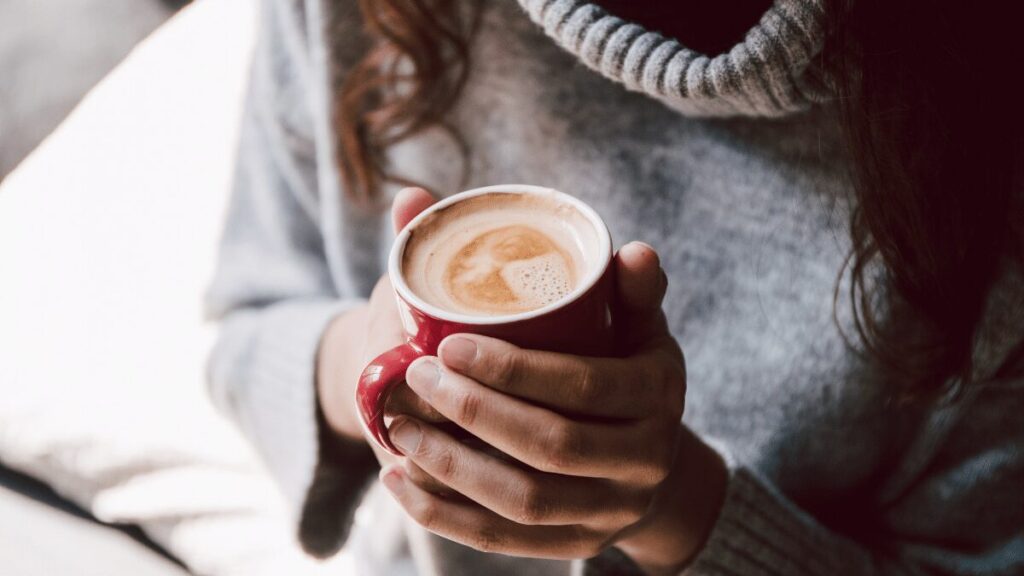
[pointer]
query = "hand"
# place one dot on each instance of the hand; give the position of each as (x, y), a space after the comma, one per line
(592, 441)
(353, 339)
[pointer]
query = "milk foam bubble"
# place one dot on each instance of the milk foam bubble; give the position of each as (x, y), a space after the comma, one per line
(539, 281)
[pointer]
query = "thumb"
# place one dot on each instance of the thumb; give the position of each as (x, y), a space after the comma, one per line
(640, 280)
(408, 203)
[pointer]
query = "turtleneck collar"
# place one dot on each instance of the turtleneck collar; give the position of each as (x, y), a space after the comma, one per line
(771, 72)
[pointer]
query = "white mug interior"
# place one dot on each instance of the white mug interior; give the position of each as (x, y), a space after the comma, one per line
(603, 256)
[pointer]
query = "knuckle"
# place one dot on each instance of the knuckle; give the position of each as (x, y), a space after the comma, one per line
(468, 408)
(636, 508)
(658, 463)
(669, 381)
(505, 368)
(562, 449)
(486, 540)
(587, 385)
(657, 474)
(604, 542)
(428, 483)
(425, 512)
(533, 507)
(418, 476)
(447, 463)
(589, 545)
(595, 548)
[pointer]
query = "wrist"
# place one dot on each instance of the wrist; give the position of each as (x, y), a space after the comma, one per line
(684, 511)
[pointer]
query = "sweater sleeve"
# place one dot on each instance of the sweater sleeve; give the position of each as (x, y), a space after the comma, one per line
(960, 515)
(273, 294)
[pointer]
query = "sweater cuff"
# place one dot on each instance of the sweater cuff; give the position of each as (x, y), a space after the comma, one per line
(760, 533)
(342, 475)
(274, 403)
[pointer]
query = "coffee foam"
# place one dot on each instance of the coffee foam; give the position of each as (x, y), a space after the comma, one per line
(499, 253)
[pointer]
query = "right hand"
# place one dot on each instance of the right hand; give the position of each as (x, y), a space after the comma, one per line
(358, 336)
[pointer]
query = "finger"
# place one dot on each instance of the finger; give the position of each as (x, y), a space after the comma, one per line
(532, 434)
(471, 525)
(513, 492)
(641, 281)
(402, 400)
(408, 203)
(424, 480)
(640, 289)
(602, 387)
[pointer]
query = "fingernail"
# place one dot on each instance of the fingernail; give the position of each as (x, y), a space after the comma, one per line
(423, 376)
(459, 353)
(406, 435)
(392, 480)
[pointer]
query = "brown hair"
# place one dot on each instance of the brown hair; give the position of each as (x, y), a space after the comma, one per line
(933, 143)
(411, 75)
(932, 156)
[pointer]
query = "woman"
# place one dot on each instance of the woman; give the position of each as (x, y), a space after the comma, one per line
(848, 299)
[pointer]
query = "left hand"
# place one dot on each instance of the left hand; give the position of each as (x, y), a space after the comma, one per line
(593, 439)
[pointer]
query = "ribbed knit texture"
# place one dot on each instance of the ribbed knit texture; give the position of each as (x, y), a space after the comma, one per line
(256, 365)
(770, 73)
(758, 534)
(826, 474)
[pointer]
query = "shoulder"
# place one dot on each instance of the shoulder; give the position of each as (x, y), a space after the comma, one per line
(301, 43)
(298, 35)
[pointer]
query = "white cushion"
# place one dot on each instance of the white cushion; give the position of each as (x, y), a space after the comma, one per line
(107, 241)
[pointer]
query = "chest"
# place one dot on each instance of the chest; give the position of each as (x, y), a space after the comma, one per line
(748, 215)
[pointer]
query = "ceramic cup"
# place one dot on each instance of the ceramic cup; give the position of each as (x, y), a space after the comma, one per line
(579, 323)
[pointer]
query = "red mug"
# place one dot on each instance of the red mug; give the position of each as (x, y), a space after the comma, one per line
(579, 323)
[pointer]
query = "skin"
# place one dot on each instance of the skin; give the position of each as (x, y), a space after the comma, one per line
(577, 454)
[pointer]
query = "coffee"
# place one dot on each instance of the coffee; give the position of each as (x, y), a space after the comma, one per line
(499, 253)
(525, 264)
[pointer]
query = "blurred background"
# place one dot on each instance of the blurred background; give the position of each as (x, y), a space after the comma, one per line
(51, 53)
(119, 125)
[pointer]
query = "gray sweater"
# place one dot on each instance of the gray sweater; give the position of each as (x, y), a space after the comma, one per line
(730, 166)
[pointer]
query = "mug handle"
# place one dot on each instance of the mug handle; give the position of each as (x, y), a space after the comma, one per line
(378, 380)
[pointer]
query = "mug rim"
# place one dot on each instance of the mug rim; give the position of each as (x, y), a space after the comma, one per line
(593, 276)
